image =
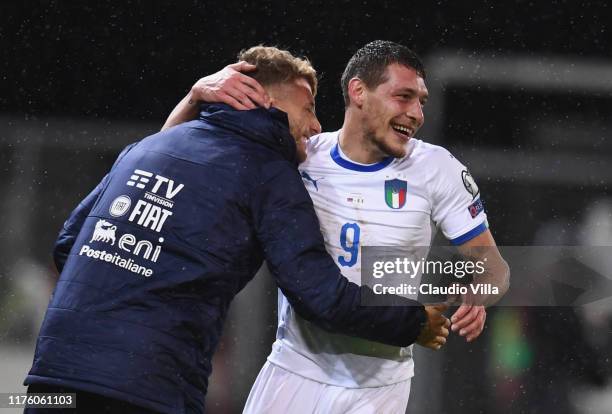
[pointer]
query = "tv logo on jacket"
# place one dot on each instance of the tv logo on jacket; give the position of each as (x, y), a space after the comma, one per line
(151, 211)
(155, 206)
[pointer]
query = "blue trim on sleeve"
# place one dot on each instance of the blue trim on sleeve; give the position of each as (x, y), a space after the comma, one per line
(470, 234)
(343, 162)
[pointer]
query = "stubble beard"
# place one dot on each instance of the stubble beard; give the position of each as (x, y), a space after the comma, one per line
(381, 146)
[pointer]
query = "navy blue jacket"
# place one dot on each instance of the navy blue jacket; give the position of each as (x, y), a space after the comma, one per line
(152, 258)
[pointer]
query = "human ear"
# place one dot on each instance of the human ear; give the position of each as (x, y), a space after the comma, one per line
(356, 91)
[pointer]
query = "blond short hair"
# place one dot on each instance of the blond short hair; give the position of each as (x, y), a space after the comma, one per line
(276, 66)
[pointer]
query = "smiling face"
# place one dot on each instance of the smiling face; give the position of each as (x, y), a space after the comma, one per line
(392, 112)
(296, 99)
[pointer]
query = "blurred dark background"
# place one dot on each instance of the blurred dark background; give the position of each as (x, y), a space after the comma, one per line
(521, 91)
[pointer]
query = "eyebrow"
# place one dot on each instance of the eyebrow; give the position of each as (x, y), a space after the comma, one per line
(404, 90)
(412, 91)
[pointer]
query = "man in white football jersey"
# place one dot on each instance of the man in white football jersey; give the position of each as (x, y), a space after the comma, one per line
(372, 184)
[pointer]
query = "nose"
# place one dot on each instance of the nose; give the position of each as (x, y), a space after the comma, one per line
(415, 113)
(315, 127)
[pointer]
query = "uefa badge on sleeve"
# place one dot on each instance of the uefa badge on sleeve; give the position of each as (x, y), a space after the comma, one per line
(469, 184)
(395, 193)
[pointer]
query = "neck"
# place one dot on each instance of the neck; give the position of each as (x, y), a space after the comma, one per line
(354, 142)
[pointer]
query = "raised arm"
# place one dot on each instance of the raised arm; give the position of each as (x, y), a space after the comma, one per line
(230, 86)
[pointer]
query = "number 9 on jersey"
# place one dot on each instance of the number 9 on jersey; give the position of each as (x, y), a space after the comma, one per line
(349, 240)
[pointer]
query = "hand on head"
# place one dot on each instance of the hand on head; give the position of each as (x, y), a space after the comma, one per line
(233, 87)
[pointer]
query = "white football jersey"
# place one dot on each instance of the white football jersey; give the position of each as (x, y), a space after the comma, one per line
(396, 202)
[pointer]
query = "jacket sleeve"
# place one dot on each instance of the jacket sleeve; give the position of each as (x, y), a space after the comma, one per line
(288, 229)
(72, 226)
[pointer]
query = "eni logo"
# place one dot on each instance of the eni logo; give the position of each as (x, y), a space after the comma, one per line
(104, 232)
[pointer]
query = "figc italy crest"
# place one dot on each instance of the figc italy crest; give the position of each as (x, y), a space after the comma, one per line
(395, 193)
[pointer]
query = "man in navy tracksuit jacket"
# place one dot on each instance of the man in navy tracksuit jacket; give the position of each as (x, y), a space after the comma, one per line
(152, 258)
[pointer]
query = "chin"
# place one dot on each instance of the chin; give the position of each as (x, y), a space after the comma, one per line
(398, 152)
(394, 149)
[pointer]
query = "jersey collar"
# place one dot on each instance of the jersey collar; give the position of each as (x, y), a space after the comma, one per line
(340, 159)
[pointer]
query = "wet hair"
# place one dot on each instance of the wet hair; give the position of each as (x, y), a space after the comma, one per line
(370, 64)
(276, 66)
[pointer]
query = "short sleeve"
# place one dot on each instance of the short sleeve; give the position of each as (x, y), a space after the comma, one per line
(457, 208)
